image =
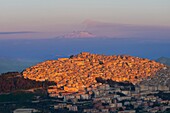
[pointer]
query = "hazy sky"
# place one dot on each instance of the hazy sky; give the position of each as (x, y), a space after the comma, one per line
(54, 17)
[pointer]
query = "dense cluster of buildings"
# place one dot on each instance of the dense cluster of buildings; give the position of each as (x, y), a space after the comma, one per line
(106, 99)
(80, 71)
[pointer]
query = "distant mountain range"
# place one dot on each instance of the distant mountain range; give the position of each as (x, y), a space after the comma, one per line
(164, 60)
(9, 65)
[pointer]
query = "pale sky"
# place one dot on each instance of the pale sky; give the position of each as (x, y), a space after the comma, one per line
(62, 16)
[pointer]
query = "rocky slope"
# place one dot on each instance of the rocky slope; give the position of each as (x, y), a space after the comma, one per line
(164, 60)
(162, 77)
(81, 70)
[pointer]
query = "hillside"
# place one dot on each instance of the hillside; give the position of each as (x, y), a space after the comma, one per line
(14, 81)
(164, 60)
(162, 77)
(80, 71)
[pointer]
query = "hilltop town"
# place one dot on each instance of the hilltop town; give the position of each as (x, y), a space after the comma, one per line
(80, 71)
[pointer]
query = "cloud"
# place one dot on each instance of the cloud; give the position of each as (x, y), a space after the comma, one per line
(126, 30)
(18, 32)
